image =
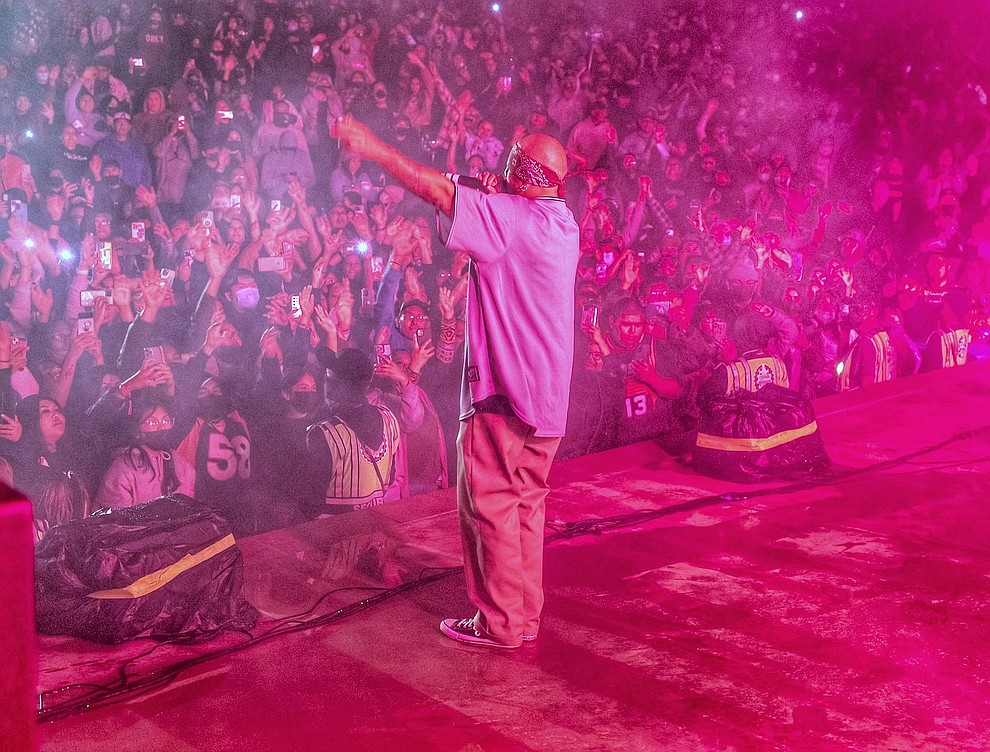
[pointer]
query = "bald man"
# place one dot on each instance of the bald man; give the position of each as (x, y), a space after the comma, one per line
(524, 247)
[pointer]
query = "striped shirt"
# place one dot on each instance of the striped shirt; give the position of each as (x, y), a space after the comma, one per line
(360, 475)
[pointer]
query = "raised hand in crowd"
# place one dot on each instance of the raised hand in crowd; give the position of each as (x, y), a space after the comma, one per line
(344, 308)
(307, 305)
(270, 346)
(154, 295)
(146, 196)
(103, 313)
(445, 302)
(41, 302)
(10, 428)
(148, 377)
(414, 285)
(219, 258)
(325, 321)
(277, 310)
(389, 369)
(422, 351)
(122, 297)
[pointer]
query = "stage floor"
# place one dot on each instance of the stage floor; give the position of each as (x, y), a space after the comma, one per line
(848, 616)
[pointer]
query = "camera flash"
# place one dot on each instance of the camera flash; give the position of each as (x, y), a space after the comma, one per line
(496, 7)
(361, 247)
(29, 243)
(799, 15)
(65, 254)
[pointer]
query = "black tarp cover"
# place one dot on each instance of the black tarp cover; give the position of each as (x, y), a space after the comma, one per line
(166, 569)
(751, 437)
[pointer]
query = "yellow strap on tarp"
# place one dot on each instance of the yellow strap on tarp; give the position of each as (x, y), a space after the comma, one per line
(151, 582)
(708, 441)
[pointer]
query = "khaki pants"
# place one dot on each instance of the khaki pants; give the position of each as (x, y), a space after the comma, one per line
(501, 488)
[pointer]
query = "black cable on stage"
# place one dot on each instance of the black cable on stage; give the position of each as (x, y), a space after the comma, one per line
(599, 525)
(126, 688)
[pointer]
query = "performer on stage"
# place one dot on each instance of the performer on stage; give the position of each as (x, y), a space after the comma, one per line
(524, 248)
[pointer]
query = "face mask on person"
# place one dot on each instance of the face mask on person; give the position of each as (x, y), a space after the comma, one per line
(161, 441)
(742, 294)
(247, 298)
(303, 402)
(112, 180)
(42, 78)
(283, 119)
(213, 406)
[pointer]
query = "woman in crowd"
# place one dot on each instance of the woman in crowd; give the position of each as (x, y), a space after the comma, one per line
(147, 467)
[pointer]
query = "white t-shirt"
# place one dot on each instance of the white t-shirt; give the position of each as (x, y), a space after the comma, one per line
(520, 303)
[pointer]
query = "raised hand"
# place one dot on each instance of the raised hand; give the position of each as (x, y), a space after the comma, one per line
(421, 235)
(307, 304)
(630, 270)
(460, 290)
(121, 292)
(385, 366)
(414, 289)
(87, 252)
(490, 181)
(296, 191)
(422, 352)
(270, 347)
(345, 309)
(251, 203)
(219, 258)
(155, 291)
(103, 313)
(10, 428)
(460, 263)
(391, 230)
(324, 227)
(354, 136)
(221, 334)
(324, 320)
(296, 237)
(162, 231)
(148, 377)
(146, 196)
(41, 301)
(446, 303)
(379, 215)
(277, 309)
(360, 222)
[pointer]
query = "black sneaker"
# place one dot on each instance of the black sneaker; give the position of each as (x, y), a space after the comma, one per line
(463, 630)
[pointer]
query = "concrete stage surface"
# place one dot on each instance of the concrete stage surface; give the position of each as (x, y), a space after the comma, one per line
(696, 615)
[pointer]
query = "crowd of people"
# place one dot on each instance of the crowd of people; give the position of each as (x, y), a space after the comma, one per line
(202, 292)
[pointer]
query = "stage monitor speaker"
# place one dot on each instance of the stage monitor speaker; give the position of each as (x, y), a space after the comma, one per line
(19, 676)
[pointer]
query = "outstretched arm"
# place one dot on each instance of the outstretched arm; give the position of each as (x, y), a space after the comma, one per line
(425, 182)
